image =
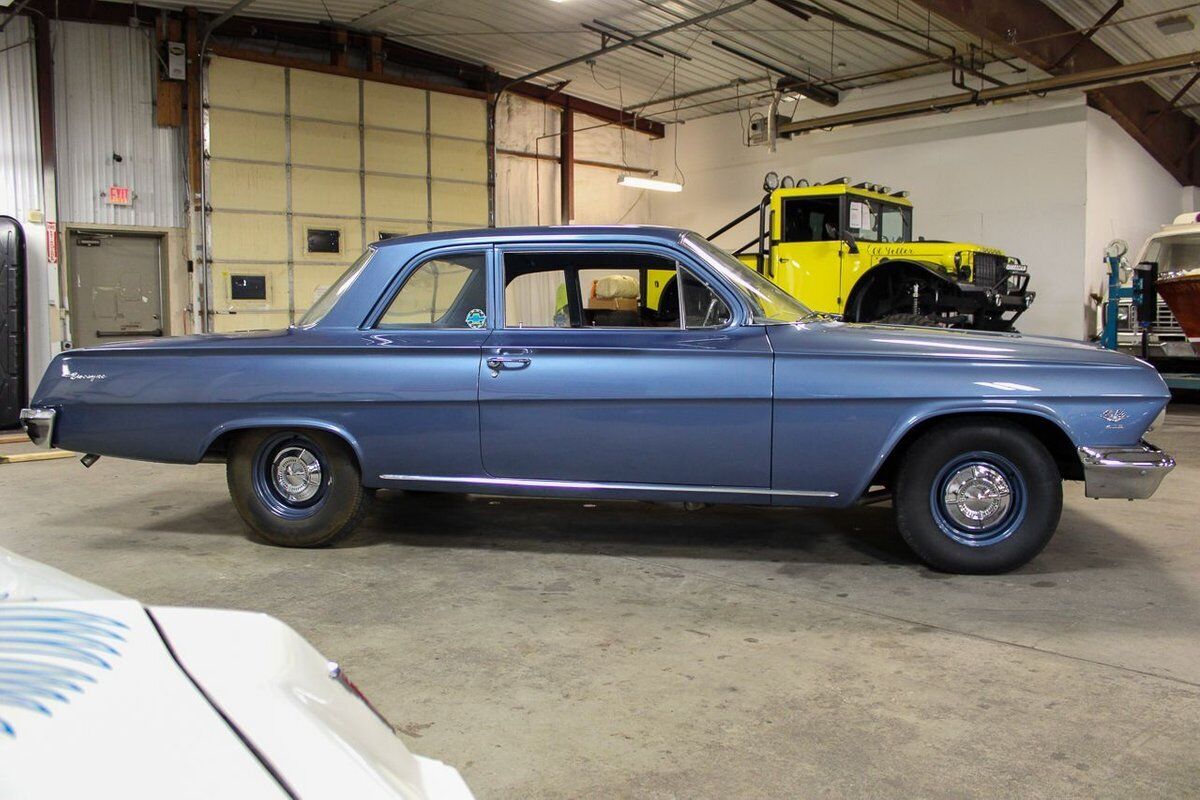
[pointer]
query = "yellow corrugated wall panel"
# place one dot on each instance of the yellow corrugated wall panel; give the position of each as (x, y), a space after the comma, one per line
(322, 191)
(245, 84)
(261, 187)
(460, 202)
(248, 236)
(402, 198)
(454, 158)
(325, 144)
(351, 239)
(277, 287)
(454, 115)
(377, 227)
(315, 94)
(249, 321)
(239, 134)
(394, 151)
(311, 281)
(393, 106)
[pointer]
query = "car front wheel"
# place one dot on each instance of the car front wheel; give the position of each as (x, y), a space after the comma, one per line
(296, 488)
(981, 496)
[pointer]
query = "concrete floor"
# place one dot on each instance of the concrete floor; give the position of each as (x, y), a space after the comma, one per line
(559, 649)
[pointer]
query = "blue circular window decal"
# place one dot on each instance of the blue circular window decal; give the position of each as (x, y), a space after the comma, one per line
(476, 318)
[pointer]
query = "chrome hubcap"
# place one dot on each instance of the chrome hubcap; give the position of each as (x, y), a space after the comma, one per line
(296, 473)
(977, 496)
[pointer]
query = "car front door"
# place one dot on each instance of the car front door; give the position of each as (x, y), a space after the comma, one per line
(619, 365)
(425, 342)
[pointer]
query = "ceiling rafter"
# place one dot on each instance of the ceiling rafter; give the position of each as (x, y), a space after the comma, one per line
(1034, 32)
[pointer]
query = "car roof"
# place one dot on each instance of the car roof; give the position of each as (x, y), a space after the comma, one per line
(650, 233)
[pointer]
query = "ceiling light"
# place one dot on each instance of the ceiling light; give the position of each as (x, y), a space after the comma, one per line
(635, 182)
(1169, 26)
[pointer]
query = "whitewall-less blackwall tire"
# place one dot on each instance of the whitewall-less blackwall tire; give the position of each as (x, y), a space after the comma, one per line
(977, 496)
(296, 488)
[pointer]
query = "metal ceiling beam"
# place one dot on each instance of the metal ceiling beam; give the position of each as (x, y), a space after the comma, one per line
(626, 34)
(1035, 33)
(806, 10)
(1092, 79)
(695, 93)
(12, 12)
(1087, 35)
(799, 83)
(371, 20)
(422, 63)
(645, 37)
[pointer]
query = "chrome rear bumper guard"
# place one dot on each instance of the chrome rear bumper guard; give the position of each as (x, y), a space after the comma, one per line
(39, 425)
(1128, 472)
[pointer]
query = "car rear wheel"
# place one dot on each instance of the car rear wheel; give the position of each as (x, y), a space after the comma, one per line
(296, 488)
(980, 496)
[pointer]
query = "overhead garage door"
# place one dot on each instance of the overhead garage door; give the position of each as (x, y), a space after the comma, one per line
(306, 168)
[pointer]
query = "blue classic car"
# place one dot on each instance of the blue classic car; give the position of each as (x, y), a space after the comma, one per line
(622, 363)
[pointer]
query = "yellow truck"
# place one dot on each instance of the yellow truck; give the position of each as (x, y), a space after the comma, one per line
(848, 250)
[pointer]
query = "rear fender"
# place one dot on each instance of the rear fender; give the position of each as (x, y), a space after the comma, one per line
(251, 423)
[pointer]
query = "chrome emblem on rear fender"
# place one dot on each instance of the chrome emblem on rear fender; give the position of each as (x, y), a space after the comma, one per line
(1114, 415)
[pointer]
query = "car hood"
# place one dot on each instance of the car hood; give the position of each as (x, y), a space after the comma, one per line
(127, 696)
(853, 339)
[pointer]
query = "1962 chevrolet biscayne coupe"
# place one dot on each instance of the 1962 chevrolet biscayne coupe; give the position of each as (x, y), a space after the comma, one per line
(624, 363)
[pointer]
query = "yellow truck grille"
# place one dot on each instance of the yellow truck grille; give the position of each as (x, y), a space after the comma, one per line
(989, 269)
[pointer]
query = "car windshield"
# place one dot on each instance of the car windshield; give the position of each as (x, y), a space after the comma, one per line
(1175, 253)
(318, 310)
(768, 303)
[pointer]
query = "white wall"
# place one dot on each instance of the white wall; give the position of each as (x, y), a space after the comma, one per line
(1012, 176)
(1129, 197)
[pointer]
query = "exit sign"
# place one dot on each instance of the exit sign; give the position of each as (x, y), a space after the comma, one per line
(120, 196)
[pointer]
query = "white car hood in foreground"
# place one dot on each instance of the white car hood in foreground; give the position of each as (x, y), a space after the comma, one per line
(93, 703)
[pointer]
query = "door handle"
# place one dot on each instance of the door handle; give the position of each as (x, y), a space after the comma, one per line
(496, 363)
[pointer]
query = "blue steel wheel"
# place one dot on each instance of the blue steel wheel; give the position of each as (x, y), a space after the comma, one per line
(978, 499)
(977, 494)
(291, 475)
(296, 488)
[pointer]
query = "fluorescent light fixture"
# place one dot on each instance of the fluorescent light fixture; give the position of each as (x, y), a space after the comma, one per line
(1169, 26)
(635, 182)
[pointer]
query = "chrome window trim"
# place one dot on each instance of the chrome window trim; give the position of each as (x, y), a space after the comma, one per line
(533, 483)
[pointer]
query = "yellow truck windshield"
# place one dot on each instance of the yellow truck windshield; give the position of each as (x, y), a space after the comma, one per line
(768, 303)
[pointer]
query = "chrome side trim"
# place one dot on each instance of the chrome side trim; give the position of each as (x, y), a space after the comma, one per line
(1128, 472)
(531, 483)
(39, 425)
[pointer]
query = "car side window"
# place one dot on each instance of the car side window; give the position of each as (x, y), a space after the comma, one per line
(616, 289)
(702, 307)
(448, 291)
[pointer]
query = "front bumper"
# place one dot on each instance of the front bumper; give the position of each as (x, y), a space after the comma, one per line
(1129, 472)
(39, 425)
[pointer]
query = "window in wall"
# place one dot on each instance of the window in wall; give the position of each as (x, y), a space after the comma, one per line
(606, 290)
(445, 292)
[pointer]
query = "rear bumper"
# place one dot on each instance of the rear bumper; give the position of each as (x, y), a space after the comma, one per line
(1128, 472)
(39, 425)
